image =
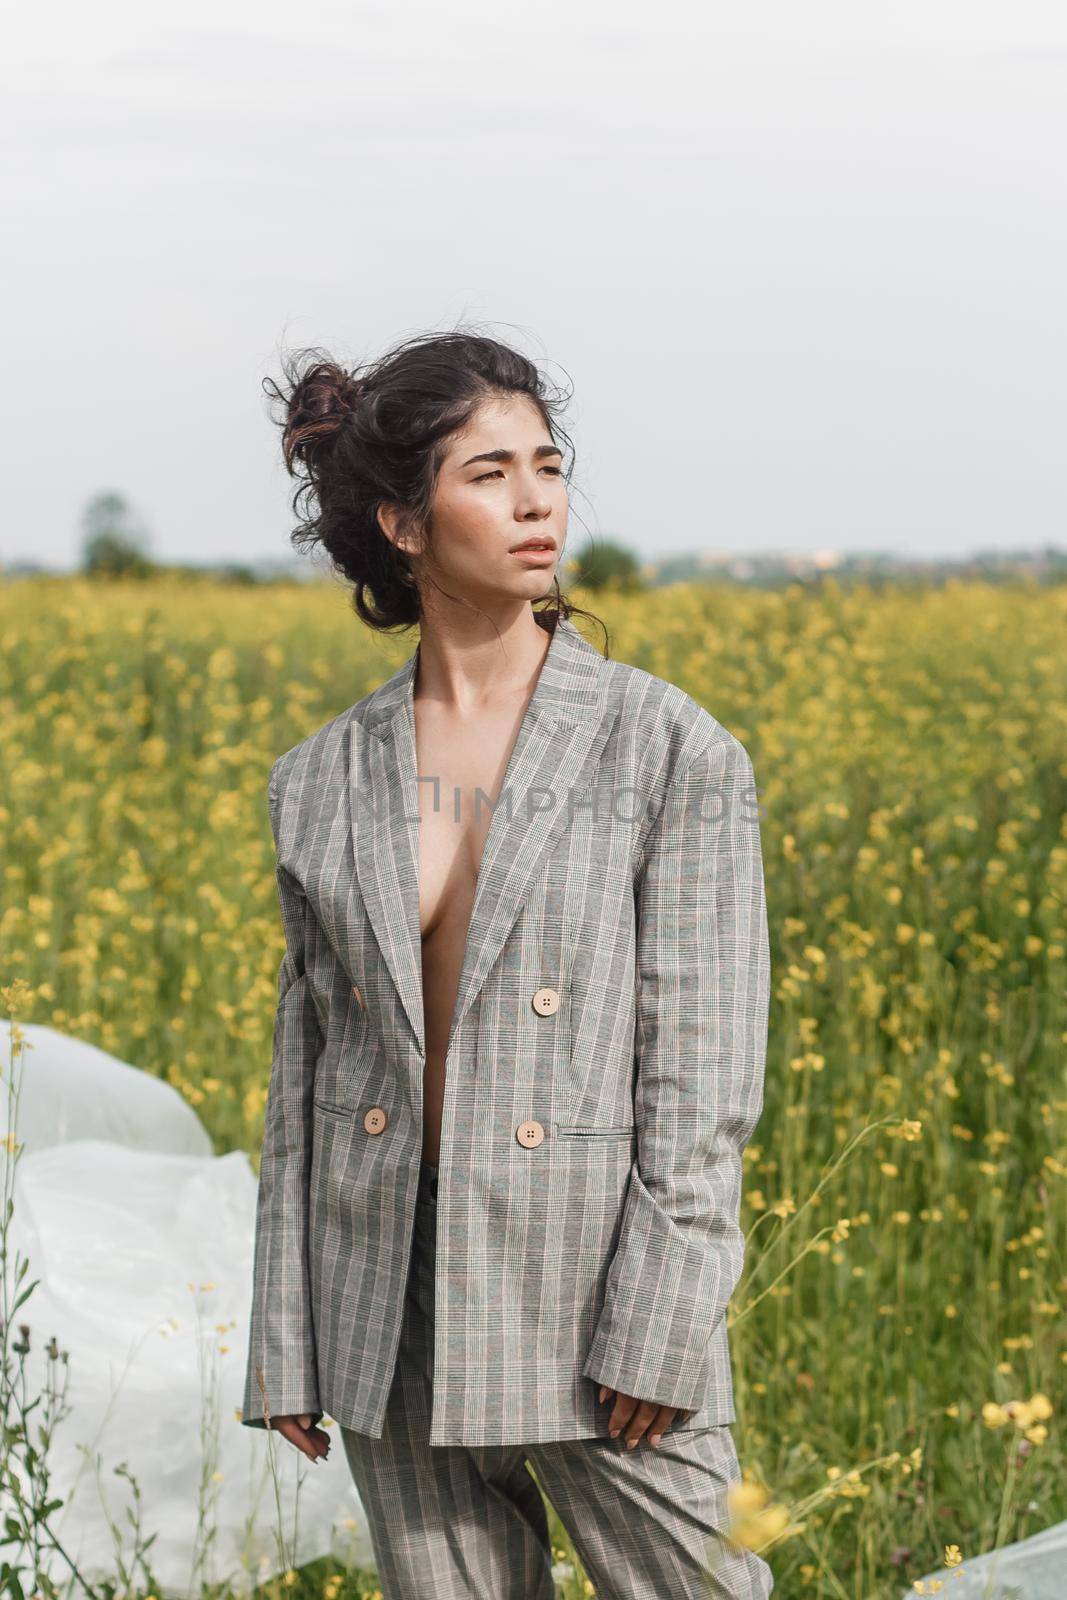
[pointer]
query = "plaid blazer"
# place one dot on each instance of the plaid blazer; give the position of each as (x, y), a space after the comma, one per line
(604, 1068)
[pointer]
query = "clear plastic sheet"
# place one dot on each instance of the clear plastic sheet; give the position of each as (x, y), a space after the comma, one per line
(128, 1218)
(1033, 1569)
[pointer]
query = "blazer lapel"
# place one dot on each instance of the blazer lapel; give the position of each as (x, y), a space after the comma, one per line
(552, 762)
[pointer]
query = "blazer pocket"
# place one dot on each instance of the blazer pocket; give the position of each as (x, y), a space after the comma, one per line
(580, 1130)
(332, 1109)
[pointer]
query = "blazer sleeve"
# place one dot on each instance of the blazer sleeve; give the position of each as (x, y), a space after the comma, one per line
(703, 970)
(281, 1342)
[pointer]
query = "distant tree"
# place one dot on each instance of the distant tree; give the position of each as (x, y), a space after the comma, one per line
(601, 562)
(112, 546)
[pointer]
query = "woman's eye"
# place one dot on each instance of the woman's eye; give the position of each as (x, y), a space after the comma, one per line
(496, 473)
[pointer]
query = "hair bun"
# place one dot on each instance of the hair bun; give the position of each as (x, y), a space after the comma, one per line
(319, 405)
(329, 393)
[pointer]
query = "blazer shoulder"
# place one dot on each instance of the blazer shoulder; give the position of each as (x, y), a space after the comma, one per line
(672, 727)
(312, 754)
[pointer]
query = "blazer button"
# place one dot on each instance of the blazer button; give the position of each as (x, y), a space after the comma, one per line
(359, 997)
(375, 1120)
(529, 1134)
(545, 1001)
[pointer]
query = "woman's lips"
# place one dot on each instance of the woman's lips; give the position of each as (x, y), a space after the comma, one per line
(536, 556)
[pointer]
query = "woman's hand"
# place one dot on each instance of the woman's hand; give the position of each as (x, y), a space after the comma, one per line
(636, 1415)
(311, 1441)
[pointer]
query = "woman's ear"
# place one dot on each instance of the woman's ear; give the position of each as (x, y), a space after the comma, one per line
(393, 521)
(389, 520)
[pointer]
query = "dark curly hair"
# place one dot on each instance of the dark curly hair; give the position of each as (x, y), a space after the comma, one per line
(378, 434)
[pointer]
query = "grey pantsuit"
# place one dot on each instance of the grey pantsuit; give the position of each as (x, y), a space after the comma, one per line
(604, 1072)
(463, 1522)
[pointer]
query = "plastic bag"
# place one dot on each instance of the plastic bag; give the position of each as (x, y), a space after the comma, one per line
(141, 1240)
(1032, 1569)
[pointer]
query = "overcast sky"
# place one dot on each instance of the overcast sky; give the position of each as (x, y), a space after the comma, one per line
(804, 264)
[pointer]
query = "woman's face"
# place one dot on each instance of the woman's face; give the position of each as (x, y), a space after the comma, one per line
(482, 508)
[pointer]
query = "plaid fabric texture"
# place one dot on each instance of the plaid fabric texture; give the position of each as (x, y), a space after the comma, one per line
(454, 1521)
(622, 870)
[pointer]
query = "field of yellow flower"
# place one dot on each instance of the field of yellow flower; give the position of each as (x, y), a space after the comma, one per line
(905, 1190)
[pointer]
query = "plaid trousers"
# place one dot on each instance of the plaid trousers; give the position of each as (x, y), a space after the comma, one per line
(465, 1522)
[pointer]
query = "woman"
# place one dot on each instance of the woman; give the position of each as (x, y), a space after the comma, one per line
(521, 1027)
